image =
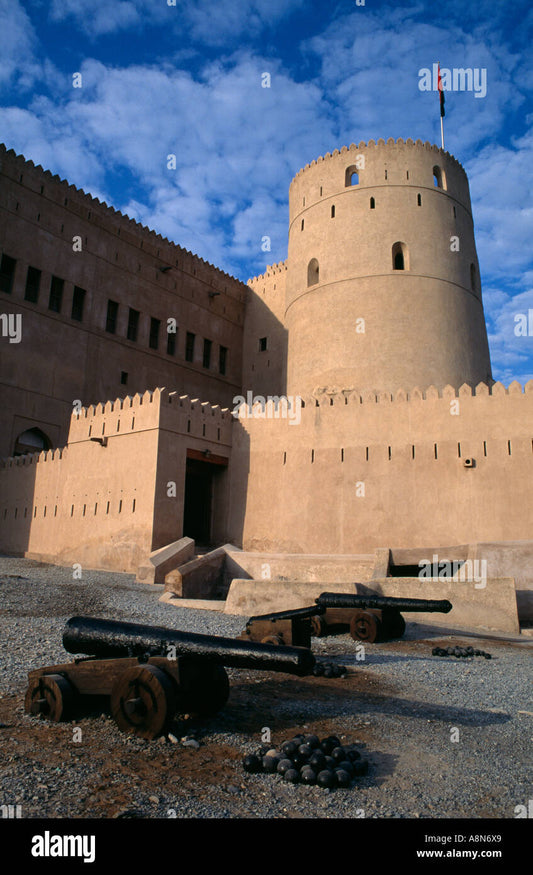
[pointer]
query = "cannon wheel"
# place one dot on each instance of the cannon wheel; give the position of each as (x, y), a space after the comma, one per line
(143, 701)
(207, 690)
(51, 696)
(365, 626)
(273, 639)
(319, 627)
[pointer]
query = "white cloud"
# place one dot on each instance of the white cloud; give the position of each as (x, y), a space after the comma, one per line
(18, 62)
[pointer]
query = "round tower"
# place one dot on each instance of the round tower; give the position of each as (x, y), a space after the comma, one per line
(383, 287)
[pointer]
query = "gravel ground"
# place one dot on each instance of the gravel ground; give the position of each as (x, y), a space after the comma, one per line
(445, 738)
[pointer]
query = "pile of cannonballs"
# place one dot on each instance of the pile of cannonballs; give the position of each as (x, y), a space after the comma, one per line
(329, 670)
(305, 759)
(459, 652)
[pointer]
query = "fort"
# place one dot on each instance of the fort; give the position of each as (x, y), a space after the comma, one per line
(405, 452)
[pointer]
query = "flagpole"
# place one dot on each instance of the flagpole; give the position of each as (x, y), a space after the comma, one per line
(442, 133)
(441, 102)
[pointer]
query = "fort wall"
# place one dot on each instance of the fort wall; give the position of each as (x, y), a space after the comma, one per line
(368, 470)
(103, 500)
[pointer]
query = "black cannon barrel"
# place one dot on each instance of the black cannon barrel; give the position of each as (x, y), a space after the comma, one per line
(108, 638)
(295, 614)
(347, 600)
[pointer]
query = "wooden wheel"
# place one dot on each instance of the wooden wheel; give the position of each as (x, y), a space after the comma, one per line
(51, 696)
(319, 627)
(143, 701)
(207, 689)
(365, 626)
(273, 639)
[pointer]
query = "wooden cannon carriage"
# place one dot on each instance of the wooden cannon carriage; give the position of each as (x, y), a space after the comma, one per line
(149, 673)
(366, 618)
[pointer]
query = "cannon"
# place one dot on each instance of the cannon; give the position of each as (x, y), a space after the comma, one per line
(149, 674)
(293, 627)
(368, 617)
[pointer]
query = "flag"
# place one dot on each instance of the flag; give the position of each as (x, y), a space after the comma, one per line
(441, 92)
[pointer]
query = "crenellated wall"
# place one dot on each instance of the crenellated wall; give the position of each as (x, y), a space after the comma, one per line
(265, 335)
(103, 500)
(362, 471)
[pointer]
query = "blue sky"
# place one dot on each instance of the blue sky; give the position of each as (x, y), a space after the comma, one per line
(185, 79)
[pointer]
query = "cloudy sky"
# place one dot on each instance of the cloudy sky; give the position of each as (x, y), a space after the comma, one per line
(184, 77)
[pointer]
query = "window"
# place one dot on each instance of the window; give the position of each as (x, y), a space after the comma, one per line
(222, 360)
(31, 441)
(7, 273)
(439, 178)
(111, 320)
(153, 342)
(312, 272)
(263, 344)
(124, 378)
(78, 300)
(56, 294)
(171, 343)
(473, 284)
(189, 347)
(351, 176)
(33, 282)
(419, 200)
(302, 227)
(400, 257)
(133, 324)
(333, 211)
(207, 354)
(372, 203)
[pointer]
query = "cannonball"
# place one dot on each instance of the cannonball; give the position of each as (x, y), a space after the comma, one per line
(327, 745)
(270, 764)
(326, 778)
(346, 766)
(338, 754)
(343, 778)
(308, 775)
(292, 776)
(284, 766)
(335, 739)
(305, 750)
(328, 671)
(352, 753)
(312, 740)
(252, 763)
(317, 759)
(318, 670)
(330, 762)
(289, 748)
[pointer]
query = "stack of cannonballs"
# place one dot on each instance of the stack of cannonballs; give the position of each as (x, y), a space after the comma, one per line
(328, 670)
(459, 652)
(305, 759)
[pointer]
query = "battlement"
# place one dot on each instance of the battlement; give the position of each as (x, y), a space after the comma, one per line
(160, 408)
(141, 235)
(271, 270)
(25, 461)
(325, 397)
(380, 144)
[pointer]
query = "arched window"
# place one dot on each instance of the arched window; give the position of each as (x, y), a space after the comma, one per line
(31, 441)
(419, 200)
(372, 203)
(333, 211)
(439, 178)
(312, 272)
(400, 257)
(352, 176)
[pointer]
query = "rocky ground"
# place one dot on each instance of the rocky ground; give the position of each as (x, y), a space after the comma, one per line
(445, 738)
